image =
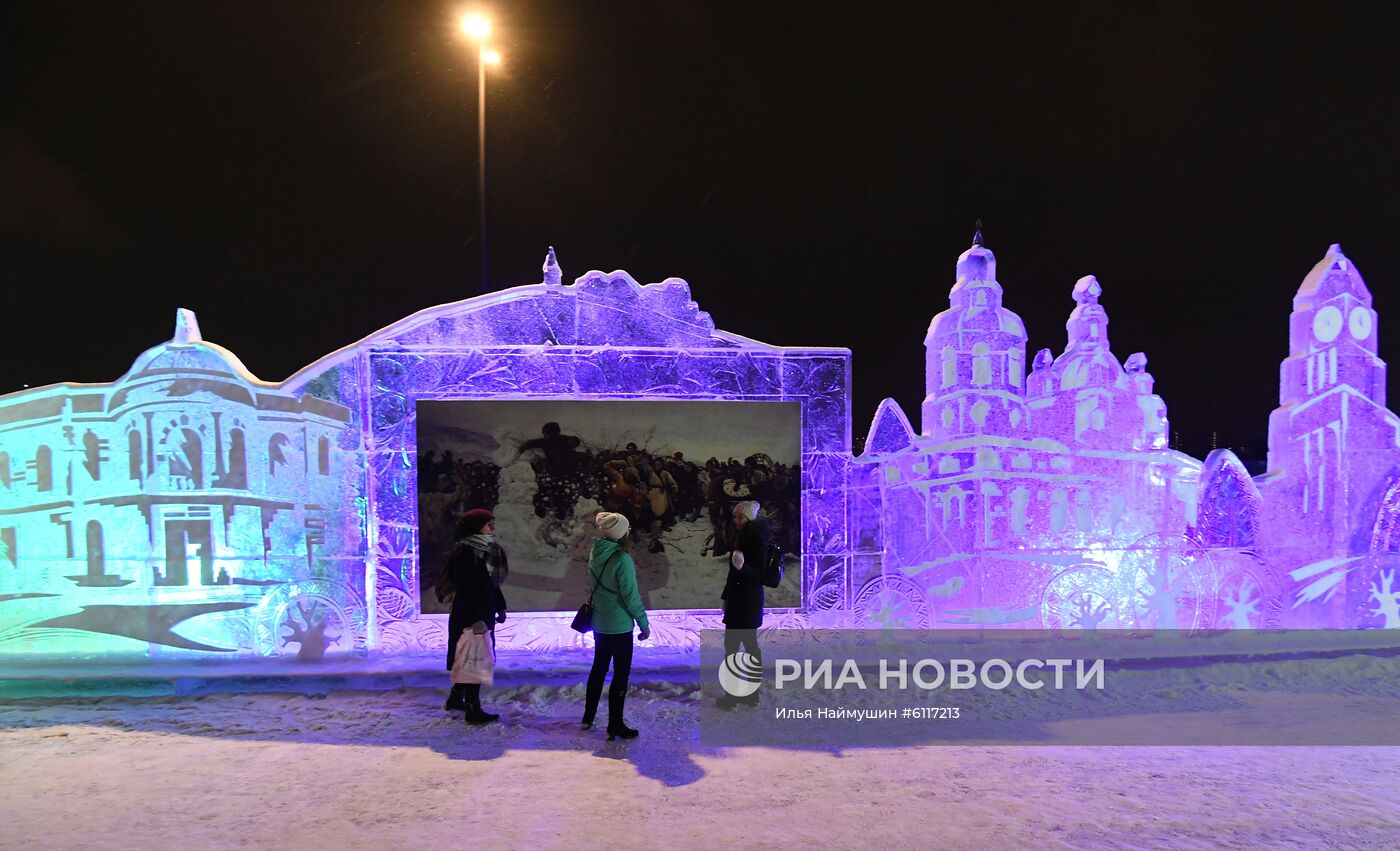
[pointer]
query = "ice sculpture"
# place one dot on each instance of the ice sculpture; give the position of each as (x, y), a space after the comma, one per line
(1058, 504)
(1049, 499)
(186, 506)
(190, 508)
(1333, 456)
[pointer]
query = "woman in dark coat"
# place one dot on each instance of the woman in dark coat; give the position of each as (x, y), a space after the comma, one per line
(477, 569)
(743, 588)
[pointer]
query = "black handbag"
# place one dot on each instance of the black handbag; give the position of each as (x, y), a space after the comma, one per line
(773, 571)
(583, 621)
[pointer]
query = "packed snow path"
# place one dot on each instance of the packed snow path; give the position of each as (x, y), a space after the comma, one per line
(377, 769)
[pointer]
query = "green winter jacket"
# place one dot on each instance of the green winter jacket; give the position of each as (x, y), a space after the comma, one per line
(617, 602)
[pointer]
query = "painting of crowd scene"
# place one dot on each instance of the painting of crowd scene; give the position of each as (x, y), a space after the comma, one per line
(545, 468)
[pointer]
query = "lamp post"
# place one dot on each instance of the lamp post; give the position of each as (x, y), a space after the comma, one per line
(478, 27)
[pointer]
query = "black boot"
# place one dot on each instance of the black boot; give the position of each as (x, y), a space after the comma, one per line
(619, 730)
(476, 715)
(456, 699)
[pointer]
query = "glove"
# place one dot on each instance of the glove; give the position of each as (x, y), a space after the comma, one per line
(644, 634)
(500, 617)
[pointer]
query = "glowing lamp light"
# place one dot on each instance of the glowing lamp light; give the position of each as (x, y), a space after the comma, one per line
(491, 57)
(476, 26)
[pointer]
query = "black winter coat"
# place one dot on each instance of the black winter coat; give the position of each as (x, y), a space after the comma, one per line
(743, 589)
(477, 597)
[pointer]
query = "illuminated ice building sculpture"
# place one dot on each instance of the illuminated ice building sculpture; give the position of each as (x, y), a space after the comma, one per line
(1052, 500)
(187, 493)
(189, 509)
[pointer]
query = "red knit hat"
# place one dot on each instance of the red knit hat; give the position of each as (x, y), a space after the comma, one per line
(475, 520)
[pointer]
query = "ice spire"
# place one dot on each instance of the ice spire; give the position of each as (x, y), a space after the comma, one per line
(1333, 275)
(186, 327)
(1088, 323)
(977, 237)
(976, 282)
(1136, 367)
(1087, 290)
(974, 356)
(552, 273)
(1332, 335)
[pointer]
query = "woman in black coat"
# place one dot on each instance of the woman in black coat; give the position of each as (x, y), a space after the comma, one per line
(477, 568)
(743, 588)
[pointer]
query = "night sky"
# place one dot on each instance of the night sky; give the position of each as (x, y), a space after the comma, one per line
(302, 174)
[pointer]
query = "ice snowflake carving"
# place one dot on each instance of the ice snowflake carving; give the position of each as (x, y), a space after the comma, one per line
(1387, 600)
(1243, 605)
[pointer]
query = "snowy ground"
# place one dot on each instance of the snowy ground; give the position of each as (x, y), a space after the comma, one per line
(378, 769)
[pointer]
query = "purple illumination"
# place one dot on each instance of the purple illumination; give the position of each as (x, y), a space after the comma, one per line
(190, 508)
(1055, 502)
(604, 337)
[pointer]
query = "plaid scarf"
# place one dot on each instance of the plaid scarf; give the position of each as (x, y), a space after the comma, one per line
(491, 552)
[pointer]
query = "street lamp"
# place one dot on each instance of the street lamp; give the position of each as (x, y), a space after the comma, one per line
(477, 27)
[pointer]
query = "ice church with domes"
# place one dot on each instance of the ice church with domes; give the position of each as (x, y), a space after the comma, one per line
(189, 509)
(1050, 499)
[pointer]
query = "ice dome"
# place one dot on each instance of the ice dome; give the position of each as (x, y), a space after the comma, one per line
(187, 351)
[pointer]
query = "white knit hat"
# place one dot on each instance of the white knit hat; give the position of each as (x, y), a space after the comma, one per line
(613, 526)
(749, 509)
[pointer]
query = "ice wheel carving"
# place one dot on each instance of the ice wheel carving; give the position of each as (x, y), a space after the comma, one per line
(1168, 582)
(310, 619)
(892, 601)
(1249, 595)
(1085, 596)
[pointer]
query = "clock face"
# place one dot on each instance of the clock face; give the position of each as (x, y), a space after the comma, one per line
(1359, 323)
(1327, 324)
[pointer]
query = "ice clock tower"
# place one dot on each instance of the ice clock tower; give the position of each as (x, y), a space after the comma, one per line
(1331, 439)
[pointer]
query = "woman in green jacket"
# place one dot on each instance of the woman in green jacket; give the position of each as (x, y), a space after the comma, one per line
(617, 604)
